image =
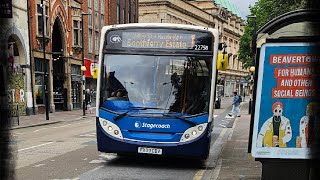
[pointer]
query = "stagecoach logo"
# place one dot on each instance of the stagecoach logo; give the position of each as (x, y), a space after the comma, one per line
(138, 124)
(115, 39)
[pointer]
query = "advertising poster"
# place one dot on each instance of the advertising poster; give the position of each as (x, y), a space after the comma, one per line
(286, 112)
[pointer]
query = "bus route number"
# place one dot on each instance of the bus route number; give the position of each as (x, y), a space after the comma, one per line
(201, 47)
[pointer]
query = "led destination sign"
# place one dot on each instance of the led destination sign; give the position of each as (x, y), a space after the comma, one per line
(159, 39)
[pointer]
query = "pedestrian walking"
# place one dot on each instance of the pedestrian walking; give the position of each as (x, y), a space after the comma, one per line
(88, 99)
(235, 105)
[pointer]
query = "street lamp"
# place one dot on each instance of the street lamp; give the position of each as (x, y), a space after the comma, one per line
(45, 81)
(83, 68)
(252, 69)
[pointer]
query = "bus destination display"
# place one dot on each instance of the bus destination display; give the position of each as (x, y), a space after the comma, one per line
(160, 40)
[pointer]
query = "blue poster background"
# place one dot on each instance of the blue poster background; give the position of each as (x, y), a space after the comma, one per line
(294, 108)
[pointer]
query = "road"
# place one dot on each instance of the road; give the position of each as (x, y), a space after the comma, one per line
(68, 151)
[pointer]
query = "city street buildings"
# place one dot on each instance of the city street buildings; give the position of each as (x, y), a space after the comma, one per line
(220, 14)
(105, 12)
(63, 45)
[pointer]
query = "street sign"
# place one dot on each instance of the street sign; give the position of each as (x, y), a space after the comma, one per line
(286, 107)
(6, 9)
(222, 63)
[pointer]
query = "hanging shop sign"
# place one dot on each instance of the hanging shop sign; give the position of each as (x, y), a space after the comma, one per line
(91, 68)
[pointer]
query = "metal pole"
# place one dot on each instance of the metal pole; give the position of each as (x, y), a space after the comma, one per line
(45, 83)
(83, 77)
(250, 106)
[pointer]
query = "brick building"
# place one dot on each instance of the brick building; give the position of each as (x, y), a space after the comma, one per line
(113, 12)
(63, 36)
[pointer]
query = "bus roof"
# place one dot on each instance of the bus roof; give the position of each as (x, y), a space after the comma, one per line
(163, 25)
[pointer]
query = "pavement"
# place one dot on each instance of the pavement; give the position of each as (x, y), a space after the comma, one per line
(49, 148)
(235, 162)
(54, 118)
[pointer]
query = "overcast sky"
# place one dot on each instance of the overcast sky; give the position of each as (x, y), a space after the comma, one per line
(243, 6)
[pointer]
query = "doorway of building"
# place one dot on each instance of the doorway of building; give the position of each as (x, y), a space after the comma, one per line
(59, 89)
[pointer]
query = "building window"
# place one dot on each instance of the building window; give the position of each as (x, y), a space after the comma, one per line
(90, 26)
(102, 6)
(96, 43)
(90, 18)
(39, 15)
(90, 40)
(129, 11)
(90, 4)
(41, 66)
(77, 31)
(102, 20)
(102, 14)
(124, 18)
(75, 69)
(96, 21)
(118, 11)
(95, 5)
(134, 10)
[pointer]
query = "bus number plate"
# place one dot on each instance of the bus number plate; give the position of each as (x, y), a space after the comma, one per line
(146, 150)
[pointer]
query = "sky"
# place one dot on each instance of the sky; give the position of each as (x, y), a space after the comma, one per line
(243, 6)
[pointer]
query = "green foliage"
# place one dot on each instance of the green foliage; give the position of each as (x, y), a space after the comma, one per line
(264, 10)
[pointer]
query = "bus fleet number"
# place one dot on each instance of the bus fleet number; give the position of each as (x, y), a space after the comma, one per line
(201, 47)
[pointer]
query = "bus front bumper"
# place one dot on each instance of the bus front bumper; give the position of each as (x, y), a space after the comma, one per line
(198, 149)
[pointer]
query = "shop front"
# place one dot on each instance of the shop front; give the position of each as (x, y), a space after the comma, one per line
(91, 83)
(76, 86)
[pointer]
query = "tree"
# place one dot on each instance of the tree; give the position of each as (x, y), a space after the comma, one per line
(264, 10)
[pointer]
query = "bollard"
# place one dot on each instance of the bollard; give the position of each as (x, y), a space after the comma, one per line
(18, 114)
(250, 104)
(84, 108)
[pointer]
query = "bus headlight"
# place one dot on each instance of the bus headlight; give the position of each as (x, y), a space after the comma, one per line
(193, 132)
(110, 128)
(116, 132)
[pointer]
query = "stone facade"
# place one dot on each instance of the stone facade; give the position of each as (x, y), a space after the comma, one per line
(16, 41)
(205, 13)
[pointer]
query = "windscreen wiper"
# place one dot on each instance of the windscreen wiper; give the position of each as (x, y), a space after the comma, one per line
(181, 118)
(135, 108)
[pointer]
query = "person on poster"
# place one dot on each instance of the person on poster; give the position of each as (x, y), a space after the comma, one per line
(307, 126)
(276, 131)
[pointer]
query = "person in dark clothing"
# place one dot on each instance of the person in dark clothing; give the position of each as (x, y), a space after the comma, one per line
(114, 85)
(88, 100)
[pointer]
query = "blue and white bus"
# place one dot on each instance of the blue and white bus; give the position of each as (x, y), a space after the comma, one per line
(155, 92)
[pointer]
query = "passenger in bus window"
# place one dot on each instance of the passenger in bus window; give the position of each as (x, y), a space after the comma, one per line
(113, 84)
